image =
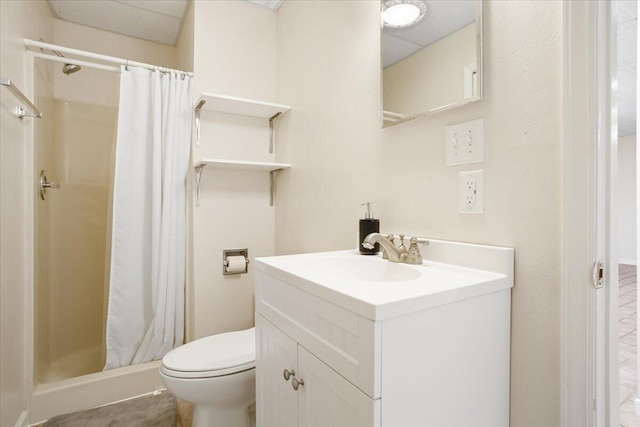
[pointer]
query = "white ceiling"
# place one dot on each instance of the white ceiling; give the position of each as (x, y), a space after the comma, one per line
(155, 20)
(627, 66)
(442, 18)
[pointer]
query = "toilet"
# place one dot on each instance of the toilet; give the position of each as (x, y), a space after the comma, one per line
(217, 375)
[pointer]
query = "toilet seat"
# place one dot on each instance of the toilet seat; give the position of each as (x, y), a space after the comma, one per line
(212, 356)
(206, 374)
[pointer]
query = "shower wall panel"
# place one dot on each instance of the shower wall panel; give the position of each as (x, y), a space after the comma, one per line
(83, 137)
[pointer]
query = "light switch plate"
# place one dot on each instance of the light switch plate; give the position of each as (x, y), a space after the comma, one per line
(471, 192)
(464, 143)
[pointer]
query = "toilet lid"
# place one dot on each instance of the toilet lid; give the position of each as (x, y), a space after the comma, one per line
(230, 352)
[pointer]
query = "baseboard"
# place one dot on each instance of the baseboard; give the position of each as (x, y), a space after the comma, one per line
(628, 261)
(22, 419)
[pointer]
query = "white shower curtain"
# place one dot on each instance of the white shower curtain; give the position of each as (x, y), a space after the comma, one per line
(145, 316)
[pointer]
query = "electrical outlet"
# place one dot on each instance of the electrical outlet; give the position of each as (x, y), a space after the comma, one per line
(464, 143)
(471, 192)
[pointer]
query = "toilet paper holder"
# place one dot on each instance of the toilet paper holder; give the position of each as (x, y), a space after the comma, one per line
(234, 252)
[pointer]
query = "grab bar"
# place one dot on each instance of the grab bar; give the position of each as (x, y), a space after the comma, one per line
(35, 112)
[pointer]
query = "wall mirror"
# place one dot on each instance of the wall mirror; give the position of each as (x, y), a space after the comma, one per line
(433, 64)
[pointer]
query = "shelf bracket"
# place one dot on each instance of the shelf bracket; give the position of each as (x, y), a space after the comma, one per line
(272, 131)
(199, 169)
(273, 177)
(197, 119)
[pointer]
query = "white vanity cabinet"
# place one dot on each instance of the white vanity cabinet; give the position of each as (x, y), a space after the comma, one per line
(426, 351)
(323, 399)
(276, 402)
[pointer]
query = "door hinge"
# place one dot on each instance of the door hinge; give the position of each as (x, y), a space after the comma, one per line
(598, 274)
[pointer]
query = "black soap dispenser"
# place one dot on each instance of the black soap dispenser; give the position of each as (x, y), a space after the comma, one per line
(368, 225)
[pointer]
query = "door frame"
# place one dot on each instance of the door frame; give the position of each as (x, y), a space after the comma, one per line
(589, 361)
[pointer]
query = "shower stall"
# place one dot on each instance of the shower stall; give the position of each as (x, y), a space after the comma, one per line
(74, 165)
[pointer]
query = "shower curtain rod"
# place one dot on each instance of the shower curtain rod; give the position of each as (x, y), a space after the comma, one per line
(91, 55)
(75, 62)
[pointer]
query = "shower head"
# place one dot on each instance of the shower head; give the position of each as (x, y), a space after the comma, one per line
(67, 68)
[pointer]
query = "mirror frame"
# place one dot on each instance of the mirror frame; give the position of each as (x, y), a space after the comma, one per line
(479, 70)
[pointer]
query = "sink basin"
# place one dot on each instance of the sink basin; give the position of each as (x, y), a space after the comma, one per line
(378, 289)
(362, 269)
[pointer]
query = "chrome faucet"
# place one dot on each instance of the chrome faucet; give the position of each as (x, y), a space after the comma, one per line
(390, 250)
(396, 253)
(390, 238)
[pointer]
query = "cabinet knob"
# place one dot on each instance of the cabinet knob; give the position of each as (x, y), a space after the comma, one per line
(295, 383)
(288, 374)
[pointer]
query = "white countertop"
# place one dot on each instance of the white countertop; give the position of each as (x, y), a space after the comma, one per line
(435, 283)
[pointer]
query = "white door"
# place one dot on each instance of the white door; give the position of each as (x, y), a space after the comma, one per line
(276, 401)
(327, 399)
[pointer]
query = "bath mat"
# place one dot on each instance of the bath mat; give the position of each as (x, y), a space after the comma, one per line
(147, 411)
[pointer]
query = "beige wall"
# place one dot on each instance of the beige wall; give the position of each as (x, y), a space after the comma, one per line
(432, 77)
(234, 54)
(184, 47)
(235, 49)
(626, 198)
(329, 71)
(18, 19)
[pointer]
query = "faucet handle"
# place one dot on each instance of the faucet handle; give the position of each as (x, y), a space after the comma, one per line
(415, 240)
(413, 255)
(413, 248)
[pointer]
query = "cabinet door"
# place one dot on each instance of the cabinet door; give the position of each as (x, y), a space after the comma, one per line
(276, 401)
(327, 399)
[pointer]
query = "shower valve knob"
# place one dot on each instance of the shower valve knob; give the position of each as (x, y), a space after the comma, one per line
(44, 184)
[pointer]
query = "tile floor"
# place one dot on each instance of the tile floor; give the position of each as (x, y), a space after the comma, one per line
(627, 295)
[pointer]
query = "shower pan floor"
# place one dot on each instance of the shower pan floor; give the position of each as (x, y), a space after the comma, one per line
(83, 362)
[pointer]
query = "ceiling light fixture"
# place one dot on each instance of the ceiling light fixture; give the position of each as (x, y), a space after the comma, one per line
(402, 13)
